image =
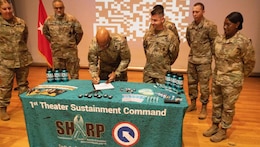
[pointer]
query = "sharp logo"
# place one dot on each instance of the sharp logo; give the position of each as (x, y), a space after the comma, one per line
(80, 131)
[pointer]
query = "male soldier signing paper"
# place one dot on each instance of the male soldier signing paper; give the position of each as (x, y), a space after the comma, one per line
(108, 57)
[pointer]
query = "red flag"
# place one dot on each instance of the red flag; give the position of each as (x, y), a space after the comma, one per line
(43, 44)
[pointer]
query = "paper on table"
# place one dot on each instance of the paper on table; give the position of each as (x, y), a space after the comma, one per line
(133, 98)
(102, 86)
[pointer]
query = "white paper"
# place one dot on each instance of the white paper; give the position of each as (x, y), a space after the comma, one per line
(102, 86)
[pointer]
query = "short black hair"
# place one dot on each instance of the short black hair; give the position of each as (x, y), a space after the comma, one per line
(200, 4)
(236, 17)
(158, 9)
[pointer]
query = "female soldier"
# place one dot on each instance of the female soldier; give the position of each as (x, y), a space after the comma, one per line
(14, 55)
(234, 60)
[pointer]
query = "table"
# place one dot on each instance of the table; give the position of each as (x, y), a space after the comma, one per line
(69, 121)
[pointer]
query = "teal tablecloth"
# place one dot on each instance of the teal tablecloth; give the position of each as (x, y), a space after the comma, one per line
(69, 121)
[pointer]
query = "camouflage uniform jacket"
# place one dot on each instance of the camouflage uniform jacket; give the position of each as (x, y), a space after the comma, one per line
(114, 58)
(63, 34)
(200, 39)
(161, 51)
(171, 26)
(235, 59)
(13, 44)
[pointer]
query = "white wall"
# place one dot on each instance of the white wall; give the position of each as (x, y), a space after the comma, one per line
(84, 11)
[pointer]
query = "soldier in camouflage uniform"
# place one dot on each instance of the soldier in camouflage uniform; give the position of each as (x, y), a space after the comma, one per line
(108, 57)
(14, 56)
(64, 32)
(234, 60)
(161, 47)
(169, 25)
(200, 36)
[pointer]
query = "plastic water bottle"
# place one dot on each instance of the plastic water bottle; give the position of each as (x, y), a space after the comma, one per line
(179, 85)
(173, 80)
(57, 75)
(168, 80)
(64, 75)
(49, 75)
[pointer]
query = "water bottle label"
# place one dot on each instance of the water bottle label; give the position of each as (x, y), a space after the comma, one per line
(57, 76)
(50, 78)
(168, 78)
(180, 82)
(64, 76)
(49, 75)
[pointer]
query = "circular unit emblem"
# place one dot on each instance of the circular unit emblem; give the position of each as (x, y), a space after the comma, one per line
(126, 134)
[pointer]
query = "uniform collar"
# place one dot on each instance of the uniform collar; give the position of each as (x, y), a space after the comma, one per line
(232, 39)
(13, 21)
(61, 18)
(200, 25)
(161, 33)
